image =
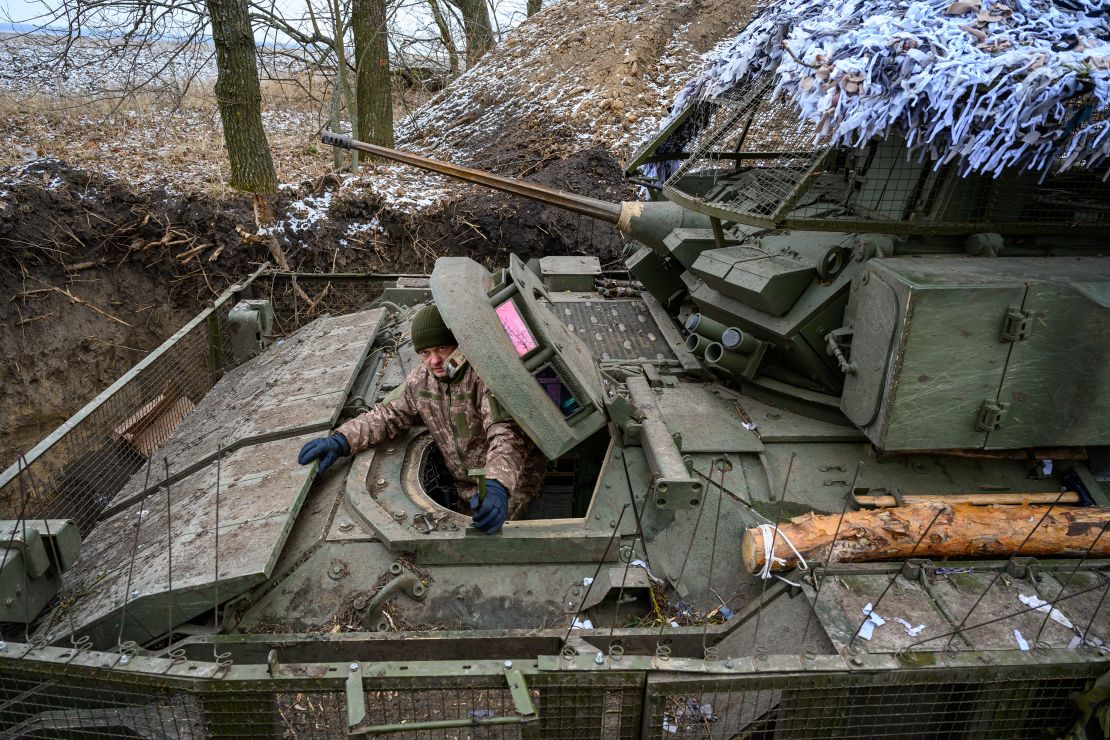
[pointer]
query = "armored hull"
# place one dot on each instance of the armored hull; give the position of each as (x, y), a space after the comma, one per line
(620, 602)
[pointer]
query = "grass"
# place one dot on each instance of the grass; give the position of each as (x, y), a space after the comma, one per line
(153, 138)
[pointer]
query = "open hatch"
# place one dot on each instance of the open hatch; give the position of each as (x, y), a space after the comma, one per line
(542, 375)
(539, 372)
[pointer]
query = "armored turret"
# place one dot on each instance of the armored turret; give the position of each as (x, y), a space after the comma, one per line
(871, 277)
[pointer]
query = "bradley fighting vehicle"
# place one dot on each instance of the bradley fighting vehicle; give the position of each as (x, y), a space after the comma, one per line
(798, 333)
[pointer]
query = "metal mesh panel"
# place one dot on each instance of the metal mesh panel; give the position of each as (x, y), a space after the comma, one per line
(576, 705)
(764, 139)
(306, 715)
(35, 704)
(904, 705)
(234, 711)
(454, 698)
(52, 698)
(569, 706)
(757, 162)
(95, 452)
(331, 294)
(48, 700)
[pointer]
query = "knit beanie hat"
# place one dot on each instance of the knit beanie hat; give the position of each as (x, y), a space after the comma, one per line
(428, 329)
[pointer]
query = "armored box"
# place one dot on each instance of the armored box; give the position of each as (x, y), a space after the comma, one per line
(570, 273)
(964, 352)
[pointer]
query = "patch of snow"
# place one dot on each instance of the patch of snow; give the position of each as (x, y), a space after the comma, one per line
(302, 215)
(372, 225)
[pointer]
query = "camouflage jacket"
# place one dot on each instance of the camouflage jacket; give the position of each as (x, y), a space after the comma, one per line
(462, 418)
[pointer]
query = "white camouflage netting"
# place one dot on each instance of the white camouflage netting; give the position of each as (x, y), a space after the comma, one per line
(988, 85)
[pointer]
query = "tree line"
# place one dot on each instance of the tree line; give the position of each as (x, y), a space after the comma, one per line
(353, 44)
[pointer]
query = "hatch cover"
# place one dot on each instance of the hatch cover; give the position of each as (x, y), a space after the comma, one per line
(298, 385)
(614, 329)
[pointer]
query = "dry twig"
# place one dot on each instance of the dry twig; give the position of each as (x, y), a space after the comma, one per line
(83, 265)
(82, 302)
(36, 318)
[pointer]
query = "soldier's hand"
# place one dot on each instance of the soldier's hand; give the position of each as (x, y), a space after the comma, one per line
(328, 449)
(494, 508)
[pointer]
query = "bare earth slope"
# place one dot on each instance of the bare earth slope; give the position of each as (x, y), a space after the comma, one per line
(580, 73)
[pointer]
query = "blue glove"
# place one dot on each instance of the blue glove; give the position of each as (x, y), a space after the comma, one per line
(493, 509)
(328, 449)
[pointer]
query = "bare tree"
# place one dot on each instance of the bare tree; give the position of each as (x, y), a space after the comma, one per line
(445, 38)
(477, 28)
(534, 6)
(239, 97)
(374, 95)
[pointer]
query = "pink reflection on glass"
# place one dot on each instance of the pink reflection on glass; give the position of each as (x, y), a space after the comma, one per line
(518, 331)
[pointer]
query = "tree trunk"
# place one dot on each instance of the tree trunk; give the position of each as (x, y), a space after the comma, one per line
(239, 97)
(534, 6)
(373, 97)
(477, 28)
(339, 36)
(445, 37)
(960, 531)
(337, 155)
(979, 499)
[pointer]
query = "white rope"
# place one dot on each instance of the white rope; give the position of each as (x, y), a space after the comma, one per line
(769, 535)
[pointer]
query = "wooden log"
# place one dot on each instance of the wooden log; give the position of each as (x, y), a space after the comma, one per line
(978, 499)
(960, 531)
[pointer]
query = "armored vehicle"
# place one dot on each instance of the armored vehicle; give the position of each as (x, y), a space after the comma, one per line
(803, 339)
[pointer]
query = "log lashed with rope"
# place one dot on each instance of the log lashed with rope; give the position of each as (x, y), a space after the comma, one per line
(960, 531)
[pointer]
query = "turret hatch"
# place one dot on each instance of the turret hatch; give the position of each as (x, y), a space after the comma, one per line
(539, 372)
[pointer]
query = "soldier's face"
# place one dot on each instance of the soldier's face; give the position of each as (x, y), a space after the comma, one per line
(435, 358)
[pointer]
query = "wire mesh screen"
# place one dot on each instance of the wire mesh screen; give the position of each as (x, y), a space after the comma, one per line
(299, 299)
(394, 702)
(38, 704)
(577, 705)
(235, 711)
(95, 453)
(52, 698)
(902, 706)
(305, 715)
(754, 154)
(48, 699)
(569, 706)
(758, 162)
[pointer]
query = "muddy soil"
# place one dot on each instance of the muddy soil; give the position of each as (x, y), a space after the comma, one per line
(98, 273)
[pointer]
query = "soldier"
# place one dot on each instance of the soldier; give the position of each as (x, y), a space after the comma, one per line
(465, 422)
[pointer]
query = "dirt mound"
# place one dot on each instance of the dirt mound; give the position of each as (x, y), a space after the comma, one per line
(71, 304)
(580, 73)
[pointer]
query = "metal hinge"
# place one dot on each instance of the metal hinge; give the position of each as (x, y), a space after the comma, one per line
(1015, 327)
(990, 415)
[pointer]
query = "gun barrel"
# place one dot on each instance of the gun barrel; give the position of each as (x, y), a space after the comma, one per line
(599, 209)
